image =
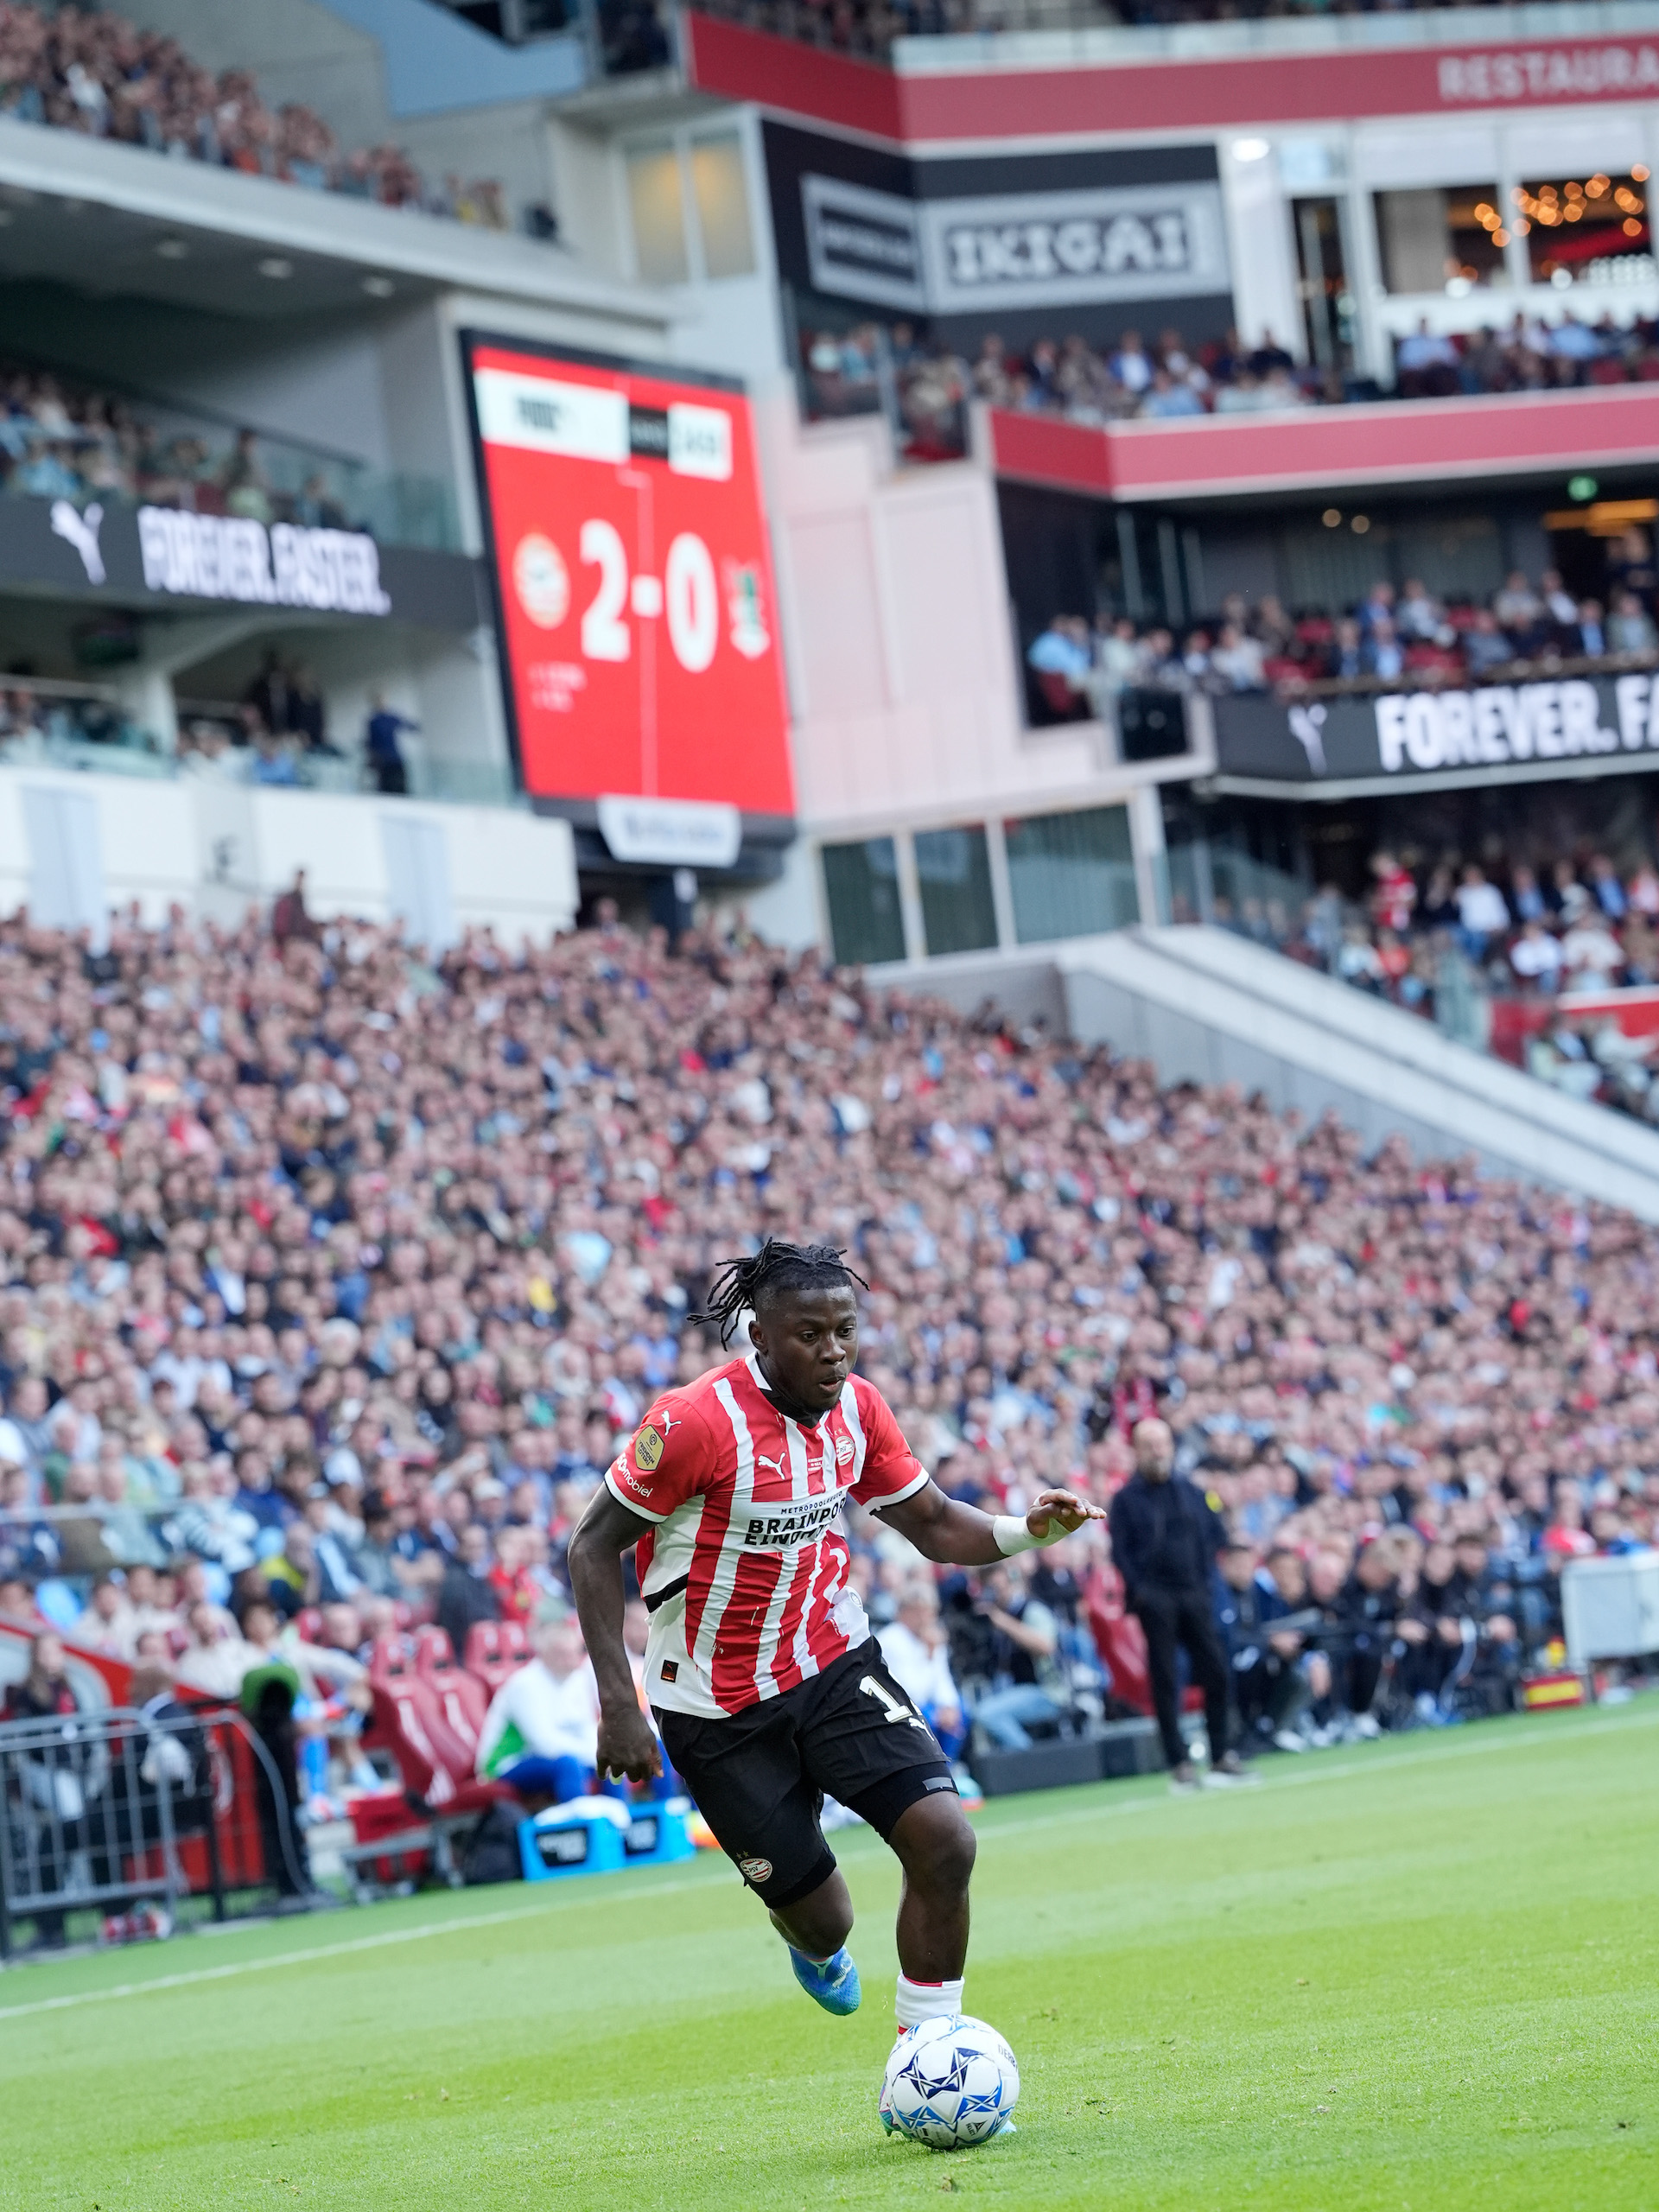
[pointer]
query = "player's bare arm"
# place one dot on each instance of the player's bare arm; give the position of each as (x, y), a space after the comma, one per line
(958, 1535)
(627, 1745)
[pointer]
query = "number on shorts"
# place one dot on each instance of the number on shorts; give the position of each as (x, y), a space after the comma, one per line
(883, 1695)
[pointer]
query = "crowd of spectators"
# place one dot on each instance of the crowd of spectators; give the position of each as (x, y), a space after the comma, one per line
(1529, 355)
(91, 70)
(925, 388)
(869, 27)
(1530, 942)
(63, 439)
(335, 1274)
(1390, 637)
(277, 735)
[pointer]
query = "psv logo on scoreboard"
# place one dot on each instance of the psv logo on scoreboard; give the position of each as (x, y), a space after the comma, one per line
(640, 640)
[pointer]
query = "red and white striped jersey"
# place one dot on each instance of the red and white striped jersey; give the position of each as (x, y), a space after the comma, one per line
(743, 1567)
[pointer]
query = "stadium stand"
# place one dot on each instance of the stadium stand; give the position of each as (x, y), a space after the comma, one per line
(845, 372)
(376, 1262)
(91, 70)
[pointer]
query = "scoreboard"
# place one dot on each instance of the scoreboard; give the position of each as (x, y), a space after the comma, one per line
(625, 525)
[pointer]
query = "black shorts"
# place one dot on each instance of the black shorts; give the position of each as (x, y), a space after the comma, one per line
(761, 1776)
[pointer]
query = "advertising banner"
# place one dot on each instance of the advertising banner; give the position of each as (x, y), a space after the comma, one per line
(1410, 69)
(638, 621)
(1020, 249)
(1490, 730)
(147, 558)
(971, 242)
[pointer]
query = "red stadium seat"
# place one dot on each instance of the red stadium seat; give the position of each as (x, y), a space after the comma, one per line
(414, 1720)
(496, 1649)
(1062, 701)
(463, 1699)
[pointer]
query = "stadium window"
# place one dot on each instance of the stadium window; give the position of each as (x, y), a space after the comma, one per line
(721, 192)
(657, 203)
(953, 872)
(861, 883)
(689, 198)
(1447, 237)
(1071, 874)
(1587, 230)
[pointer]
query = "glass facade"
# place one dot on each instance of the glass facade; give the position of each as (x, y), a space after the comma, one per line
(722, 198)
(955, 875)
(658, 214)
(861, 882)
(1071, 874)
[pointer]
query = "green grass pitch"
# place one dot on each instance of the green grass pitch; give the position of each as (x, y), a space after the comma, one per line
(1418, 1977)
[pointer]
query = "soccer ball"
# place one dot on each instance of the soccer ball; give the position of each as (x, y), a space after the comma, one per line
(950, 2083)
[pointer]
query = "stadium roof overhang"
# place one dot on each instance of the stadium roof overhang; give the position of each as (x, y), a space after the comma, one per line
(119, 221)
(1512, 438)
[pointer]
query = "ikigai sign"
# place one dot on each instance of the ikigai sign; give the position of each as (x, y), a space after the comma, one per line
(1014, 248)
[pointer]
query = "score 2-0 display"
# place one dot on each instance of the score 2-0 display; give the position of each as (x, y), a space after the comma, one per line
(634, 581)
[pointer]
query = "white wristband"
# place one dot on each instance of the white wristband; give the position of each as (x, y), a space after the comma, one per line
(1010, 1535)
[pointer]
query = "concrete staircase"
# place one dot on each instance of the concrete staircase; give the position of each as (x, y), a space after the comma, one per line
(1207, 1007)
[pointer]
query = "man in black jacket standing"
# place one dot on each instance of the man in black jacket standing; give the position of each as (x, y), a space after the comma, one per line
(1165, 1537)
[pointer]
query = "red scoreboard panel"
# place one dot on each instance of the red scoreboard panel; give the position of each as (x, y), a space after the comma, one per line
(635, 585)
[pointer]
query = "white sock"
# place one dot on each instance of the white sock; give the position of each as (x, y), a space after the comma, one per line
(926, 2000)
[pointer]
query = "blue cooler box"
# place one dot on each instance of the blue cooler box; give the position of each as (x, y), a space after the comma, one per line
(597, 1836)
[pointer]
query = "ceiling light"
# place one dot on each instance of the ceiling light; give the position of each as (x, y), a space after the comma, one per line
(1332, 518)
(274, 266)
(378, 288)
(172, 250)
(1251, 149)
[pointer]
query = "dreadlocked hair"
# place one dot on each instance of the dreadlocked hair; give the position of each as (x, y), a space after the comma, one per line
(740, 1285)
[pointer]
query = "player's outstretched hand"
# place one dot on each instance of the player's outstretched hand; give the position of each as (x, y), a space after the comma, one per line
(1064, 1506)
(627, 1746)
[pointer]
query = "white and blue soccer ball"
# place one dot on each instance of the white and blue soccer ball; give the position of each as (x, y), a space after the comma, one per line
(950, 2083)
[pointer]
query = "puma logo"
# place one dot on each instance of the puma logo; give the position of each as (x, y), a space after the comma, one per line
(1307, 728)
(777, 1465)
(81, 531)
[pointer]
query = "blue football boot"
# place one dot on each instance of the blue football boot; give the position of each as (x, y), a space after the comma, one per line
(834, 1985)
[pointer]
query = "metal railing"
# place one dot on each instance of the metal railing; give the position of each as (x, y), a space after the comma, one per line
(105, 1808)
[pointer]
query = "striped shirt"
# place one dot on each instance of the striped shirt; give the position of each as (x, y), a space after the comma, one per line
(743, 1566)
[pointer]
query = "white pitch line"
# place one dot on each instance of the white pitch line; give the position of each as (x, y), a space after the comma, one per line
(229, 1971)
(1450, 1754)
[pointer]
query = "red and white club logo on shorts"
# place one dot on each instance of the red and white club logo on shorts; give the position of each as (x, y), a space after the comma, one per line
(755, 1869)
